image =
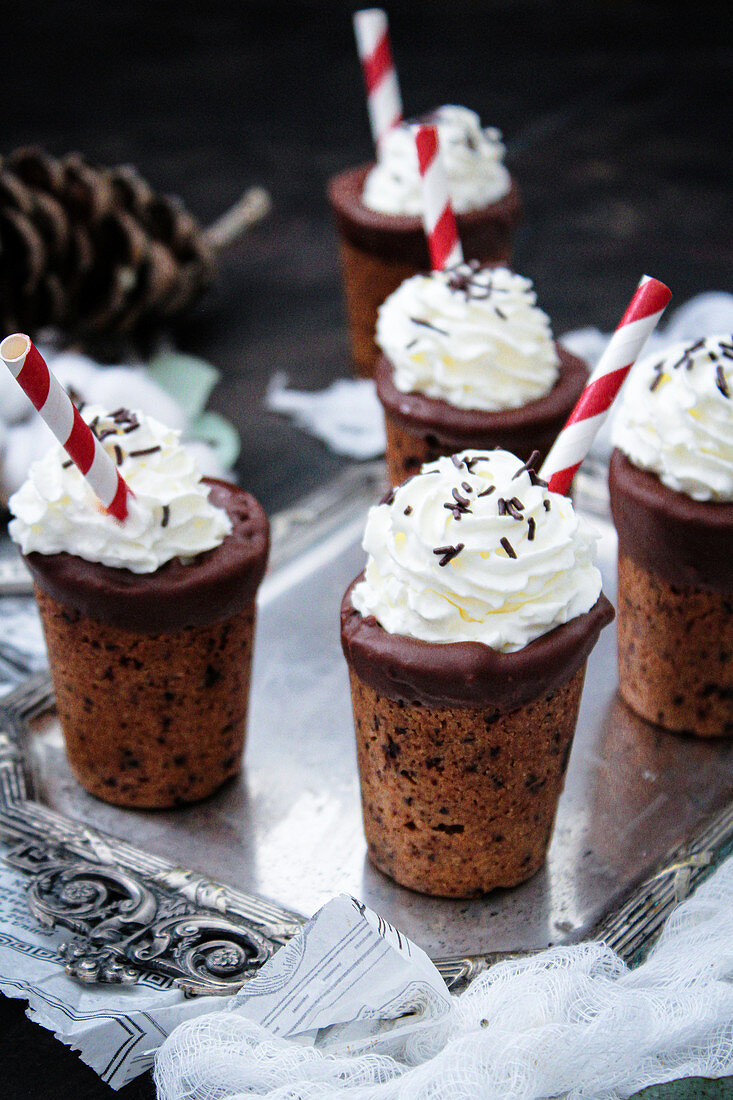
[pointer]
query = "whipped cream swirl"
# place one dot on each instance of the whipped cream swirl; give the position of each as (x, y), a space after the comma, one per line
(472, 158)
(472, 336)
(676, 418)
(170, 516)
(475, 548)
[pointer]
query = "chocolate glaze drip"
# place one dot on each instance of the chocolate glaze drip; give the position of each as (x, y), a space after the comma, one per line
(485, 233)
(521, 430)
(684, 541)
(466, 674)
(217, 584)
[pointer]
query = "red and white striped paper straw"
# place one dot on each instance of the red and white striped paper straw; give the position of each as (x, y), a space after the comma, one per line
(624, 348)
(31, 372)
(438, 217)
(384, 102)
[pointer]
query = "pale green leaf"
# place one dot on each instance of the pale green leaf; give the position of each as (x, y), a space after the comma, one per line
(221, 436)
(188, 379)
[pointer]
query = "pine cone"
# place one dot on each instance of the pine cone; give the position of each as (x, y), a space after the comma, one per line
(95, 251)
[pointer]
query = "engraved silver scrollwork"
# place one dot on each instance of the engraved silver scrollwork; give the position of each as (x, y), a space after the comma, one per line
(212, 953)
(100, 904)
(124, 928)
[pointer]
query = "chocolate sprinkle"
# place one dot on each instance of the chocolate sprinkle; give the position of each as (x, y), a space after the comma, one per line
(145, 451)
(457, 509)
(528, 466)
(461, 278)
(513, 510)
(508, 547)
(686, 357)
(457, 462)
(166, 515)
(408, 510)
(126, 420)
(65, 465)
(547, 505)
(488, 491)
(655, 382)
(448, 552)
(466, 487)
(388, 498)
(429, 324)
(721, 382)
(118, 454)
(531, 525)
(471, 462)
(501, 506)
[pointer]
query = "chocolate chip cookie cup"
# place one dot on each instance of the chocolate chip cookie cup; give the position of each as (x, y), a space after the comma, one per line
(675, 603)
(420, 429)
(151, 671)
(462, 751)
(379, 251)
(149, 620)
(671, 489)
(462, 745)
(469, 361)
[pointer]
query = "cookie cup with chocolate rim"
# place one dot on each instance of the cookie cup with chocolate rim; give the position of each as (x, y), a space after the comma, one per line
(469, 361)
(462, 746)
(150, 668)
(381, 247)
(671, 487)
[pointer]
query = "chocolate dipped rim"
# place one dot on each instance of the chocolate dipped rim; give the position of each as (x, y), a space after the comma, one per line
(535, 424)
(217, 584)
(402, 236)
(684, 541)
(466, 674)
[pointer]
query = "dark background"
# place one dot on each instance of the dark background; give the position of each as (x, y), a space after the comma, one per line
(617, 122)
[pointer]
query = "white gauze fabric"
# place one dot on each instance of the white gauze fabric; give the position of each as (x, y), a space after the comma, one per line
(571, 1022)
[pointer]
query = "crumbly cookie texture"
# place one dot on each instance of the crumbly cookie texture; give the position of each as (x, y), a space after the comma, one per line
(457, 800)
(657, 623)
(189, 737)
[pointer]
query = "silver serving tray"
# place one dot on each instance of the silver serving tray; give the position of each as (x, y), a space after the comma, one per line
(644, 813)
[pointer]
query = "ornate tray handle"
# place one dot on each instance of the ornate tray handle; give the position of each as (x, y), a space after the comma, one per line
(124, 928)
